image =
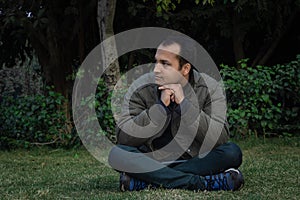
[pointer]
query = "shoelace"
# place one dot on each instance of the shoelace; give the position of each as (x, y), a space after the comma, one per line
(138, 185)
(221, 182)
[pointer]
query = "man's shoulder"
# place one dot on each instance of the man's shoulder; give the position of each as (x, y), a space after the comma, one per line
(143, 86)
(204, 80)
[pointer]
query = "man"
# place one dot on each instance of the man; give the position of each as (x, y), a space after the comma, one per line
(171, 132)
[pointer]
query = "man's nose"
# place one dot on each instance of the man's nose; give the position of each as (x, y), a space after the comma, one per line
(157, 68)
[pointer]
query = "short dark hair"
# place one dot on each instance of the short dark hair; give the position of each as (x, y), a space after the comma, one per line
(187, 52)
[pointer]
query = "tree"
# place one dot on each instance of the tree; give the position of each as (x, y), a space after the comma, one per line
(268, 20)
(60, 33)
(105, 17)
(255, 28)
(56, 31)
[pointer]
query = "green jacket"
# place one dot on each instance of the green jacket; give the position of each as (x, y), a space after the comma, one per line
(198, 124)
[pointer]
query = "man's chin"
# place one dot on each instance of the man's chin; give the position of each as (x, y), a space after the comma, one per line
(159, 83)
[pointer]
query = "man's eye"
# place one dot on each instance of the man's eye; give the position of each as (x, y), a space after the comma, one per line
(163, 63)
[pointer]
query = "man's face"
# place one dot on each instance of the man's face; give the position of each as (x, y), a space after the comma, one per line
(167, 65)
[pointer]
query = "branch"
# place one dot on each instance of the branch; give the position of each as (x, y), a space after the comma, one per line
(90, 6)
(265, 53)
(276, 41)
(36, 37)
(45, 143)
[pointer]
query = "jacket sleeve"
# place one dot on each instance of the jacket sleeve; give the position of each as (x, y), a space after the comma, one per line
(205, 121)
(138, 122)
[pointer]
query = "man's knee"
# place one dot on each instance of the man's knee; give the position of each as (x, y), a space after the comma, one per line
(117, 155)
(234, 154)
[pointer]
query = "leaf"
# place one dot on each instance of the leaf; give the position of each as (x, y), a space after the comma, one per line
(166, 17)
(265, 98)
(263, 124)
(159, 9)
(41, 12)
(44, 20)
(35, 23)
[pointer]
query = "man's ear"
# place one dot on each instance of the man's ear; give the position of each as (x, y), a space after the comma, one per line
(186, 68)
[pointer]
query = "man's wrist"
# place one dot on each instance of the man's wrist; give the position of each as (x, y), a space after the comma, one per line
(180, 101)
(164, 106)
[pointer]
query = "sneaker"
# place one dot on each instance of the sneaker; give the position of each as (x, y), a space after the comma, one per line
(128, 183)
(232, 179)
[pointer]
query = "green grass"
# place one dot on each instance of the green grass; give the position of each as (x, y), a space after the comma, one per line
(271, 170)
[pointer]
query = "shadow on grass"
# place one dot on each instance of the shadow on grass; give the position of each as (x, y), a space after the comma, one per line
(105, 184)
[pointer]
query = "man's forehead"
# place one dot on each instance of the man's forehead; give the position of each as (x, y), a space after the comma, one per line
(173, 48)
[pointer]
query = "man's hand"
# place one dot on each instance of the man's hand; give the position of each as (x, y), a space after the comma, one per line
(171, 92)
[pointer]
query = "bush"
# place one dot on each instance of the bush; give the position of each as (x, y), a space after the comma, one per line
(27, 120)
(101, 102)
(104, 110)
(263, 100)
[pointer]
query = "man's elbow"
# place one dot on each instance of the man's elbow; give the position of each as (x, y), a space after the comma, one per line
(125, 139)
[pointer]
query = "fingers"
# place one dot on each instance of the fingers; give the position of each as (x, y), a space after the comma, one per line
(167, 88)
(164, 87)
(174, 91)
(166, 97)
(173, 87)
(172, 97)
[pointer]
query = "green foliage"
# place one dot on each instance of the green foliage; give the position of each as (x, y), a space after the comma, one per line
(104, 110)
(34, 119)
(263, 100)
(168, 5)
(107, 104)
(101, 101)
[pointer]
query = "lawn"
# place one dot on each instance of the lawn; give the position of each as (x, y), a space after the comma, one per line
(271, 169)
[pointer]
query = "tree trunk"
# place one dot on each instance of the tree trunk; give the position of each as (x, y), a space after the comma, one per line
(268, 49)
(56, 64)
(56, 48)
(106, 12)
(238, 36)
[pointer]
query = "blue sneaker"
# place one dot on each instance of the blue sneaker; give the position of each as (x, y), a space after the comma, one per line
(128, 183)
(232, 179)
